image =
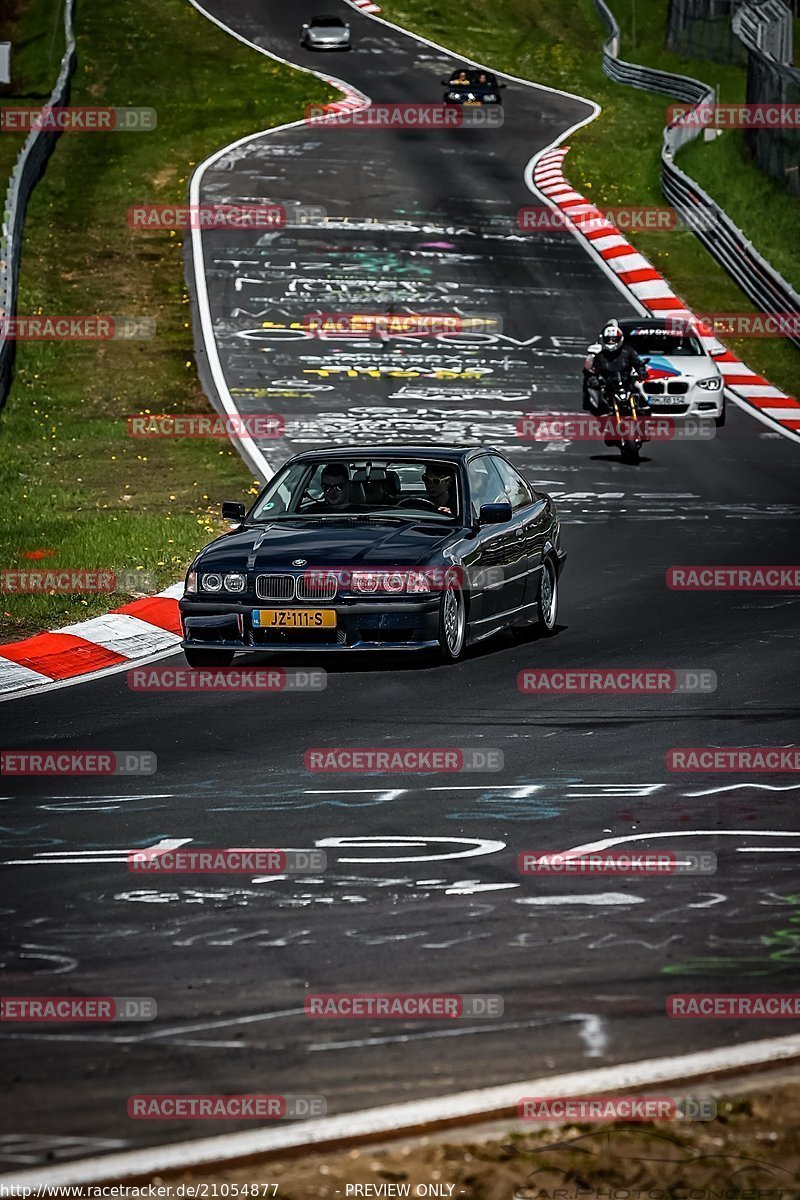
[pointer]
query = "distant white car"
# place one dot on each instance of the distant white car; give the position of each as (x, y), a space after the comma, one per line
(326, 33)
(683, 380)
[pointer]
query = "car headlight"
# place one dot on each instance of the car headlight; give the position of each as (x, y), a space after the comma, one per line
(417, 581)
(211, 582)
(389, 582)
(235, 583)
(394, 582)
(712, 384)
(490, 96)
(191, 582)
(366, 581)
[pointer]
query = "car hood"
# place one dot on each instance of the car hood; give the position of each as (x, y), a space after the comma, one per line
(326, 543)
(665, 366)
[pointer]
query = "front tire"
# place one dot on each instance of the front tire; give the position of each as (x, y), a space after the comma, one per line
(720, 420)
(547, 598)
(452, 636)
(208, 658)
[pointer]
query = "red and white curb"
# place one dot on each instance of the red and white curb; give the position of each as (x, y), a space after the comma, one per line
(633, 271)
(364, 6)
(142, 629)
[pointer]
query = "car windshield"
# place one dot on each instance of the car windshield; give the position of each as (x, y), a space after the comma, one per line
(362, 489)
(328, 22)
(673, 342)
(474, 79)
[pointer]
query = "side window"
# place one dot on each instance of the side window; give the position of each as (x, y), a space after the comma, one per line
(278, 498)
(485, 485)
(517, 491)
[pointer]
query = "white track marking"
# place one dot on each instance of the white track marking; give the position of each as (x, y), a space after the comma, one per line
(589, 1033)
(597, 900)
(469, 887)
(605, 843)
(474, 846)
(395, 1121)
(78, 858)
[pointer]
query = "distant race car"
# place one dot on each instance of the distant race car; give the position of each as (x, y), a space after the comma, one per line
(472, 88)
(326, 33)
(682, 377)
(377, 548)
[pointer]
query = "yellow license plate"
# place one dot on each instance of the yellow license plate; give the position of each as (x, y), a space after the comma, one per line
(295, 618)
(472, 104)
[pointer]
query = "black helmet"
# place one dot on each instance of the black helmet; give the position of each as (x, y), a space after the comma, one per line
(611, 337)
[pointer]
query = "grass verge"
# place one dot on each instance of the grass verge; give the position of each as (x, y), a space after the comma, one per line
(78, 492)
(616, 159)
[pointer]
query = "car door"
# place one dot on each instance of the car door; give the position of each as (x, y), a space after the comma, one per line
(498, 571)
(530, 522)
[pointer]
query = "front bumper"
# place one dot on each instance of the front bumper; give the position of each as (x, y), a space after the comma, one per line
(696, 402)
(483, 103)
(312, 44)
(387, 624)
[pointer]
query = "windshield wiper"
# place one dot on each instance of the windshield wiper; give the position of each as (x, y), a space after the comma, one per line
(370, 518)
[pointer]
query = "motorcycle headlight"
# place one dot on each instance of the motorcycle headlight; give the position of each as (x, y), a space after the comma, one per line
(712, 384)
(235, 583)
(191, 582)
(211, 582)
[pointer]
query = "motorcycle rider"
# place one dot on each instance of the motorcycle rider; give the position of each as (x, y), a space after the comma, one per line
(614, 358)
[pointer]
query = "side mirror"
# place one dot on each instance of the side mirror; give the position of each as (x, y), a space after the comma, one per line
(646, 359)
(495, 514)
(232, 511)
(715, 351)
(502, 85)
(595, 348)
(445, 83)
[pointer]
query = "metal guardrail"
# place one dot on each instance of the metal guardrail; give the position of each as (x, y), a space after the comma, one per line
(27, 171)
(757, 278)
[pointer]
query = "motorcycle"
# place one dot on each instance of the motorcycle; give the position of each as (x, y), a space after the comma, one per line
(624, 400)
(620, 396)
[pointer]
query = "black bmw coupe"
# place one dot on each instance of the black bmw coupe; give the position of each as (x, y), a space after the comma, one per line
(377, 548)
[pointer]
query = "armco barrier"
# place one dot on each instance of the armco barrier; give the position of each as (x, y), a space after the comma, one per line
(729, 246)
(26, 173)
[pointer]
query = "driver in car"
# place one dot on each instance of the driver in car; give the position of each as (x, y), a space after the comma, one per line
(440, 487)
(460, 79)
(335, 489)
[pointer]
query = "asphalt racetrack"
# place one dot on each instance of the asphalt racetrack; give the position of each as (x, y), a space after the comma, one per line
(422, 892)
